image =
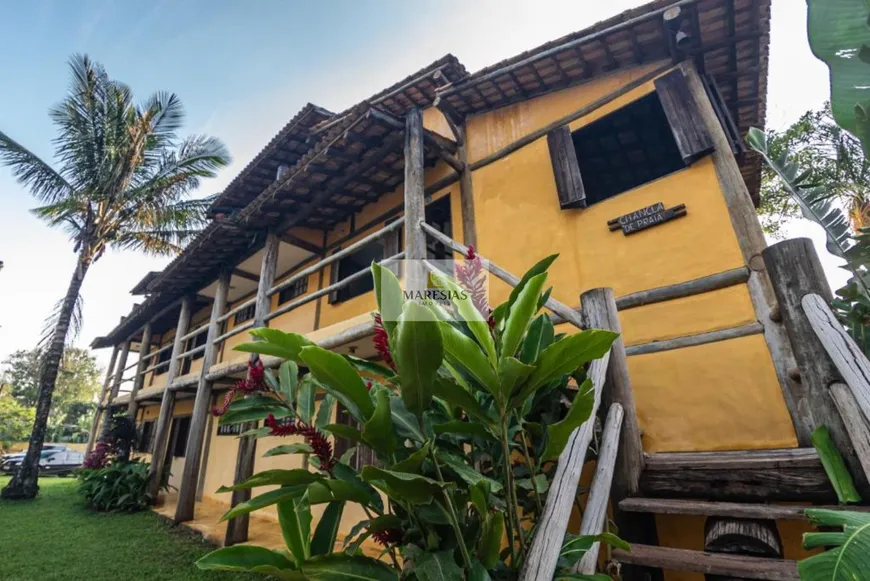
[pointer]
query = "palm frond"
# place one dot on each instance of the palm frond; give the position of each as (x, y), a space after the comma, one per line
(50, 324)
(156, 242)
(44, 183)
(165, 114)
(65, 214)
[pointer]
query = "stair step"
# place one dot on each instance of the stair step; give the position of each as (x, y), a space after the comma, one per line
(729, 509)
(794, 474)
(709, 563)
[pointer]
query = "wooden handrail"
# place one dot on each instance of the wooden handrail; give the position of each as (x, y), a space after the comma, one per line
(234, 331)
(848, 358)
(201, 329)
(191, 352)
(329, 289)
(543, 554)
(318, 266)
(595, 513)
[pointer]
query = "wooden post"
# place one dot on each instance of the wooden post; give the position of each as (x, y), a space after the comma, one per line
(595, 513)
(142, 365)
(167, 403)
(184, 509)
(415, 203)
(237, 528)
(92, 436)
(795, 271)
(750, 238)
(119, 370)
(466, 191)
(599, 312)
(116, 386)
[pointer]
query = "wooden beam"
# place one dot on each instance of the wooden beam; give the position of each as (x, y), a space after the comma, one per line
(167, 403)
(856, 424)
(98, 413)
(729, 509)
(139, 378)
(119, 371)
(452, 161)
(415, 203)
(294, 240)
(730, 566)
(543, 554)
(795, 271)
(245, 274)
(237, 528)
(680, 290)
(750, 238)
(694, 340)
(595, 511)
(794, 474)
(466, 192)
(308, 209)
(184, 507)
(599, 312)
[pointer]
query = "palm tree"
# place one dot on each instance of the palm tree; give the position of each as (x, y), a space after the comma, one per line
(124, 179)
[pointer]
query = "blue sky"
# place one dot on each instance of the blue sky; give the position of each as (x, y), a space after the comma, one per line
(242, 70)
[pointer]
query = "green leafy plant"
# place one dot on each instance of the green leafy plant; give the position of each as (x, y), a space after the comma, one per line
(852, 303)
(839, 36)
(116, 487)
(835, 466)
(849, 557)
(465, 418)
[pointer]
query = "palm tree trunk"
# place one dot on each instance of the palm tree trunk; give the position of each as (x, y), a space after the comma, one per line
(24, 483)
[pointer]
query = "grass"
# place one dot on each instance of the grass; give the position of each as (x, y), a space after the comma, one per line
(54, 537)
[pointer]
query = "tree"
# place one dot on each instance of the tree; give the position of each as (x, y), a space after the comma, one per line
(75, 390)
(15, 421)
(829, 155)
(124, 180)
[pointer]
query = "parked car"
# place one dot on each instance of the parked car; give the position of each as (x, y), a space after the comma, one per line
(52, 461)
(45, 448)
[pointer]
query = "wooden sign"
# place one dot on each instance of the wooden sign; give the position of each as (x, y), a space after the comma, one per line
(646, 218)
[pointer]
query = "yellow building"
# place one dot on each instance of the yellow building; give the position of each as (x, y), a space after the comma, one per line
(619, 147)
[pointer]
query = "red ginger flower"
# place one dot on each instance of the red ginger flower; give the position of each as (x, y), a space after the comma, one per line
(382, 341)
(99, 456)
(318, 442)
(254, 382)
(472, 278)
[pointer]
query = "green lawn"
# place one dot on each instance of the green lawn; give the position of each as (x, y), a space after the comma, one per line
(56, 538)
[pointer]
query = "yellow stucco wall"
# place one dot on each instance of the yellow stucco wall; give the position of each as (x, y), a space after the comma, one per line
(519, 221)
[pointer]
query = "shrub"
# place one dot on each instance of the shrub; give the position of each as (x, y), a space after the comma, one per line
(116, 487)
(109, 480)
(465, 419)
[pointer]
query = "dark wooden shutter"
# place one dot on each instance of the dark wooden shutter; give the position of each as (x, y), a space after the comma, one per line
(693, 139)
(566, 169)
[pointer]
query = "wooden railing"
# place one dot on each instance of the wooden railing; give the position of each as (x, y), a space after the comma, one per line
(852, 399)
